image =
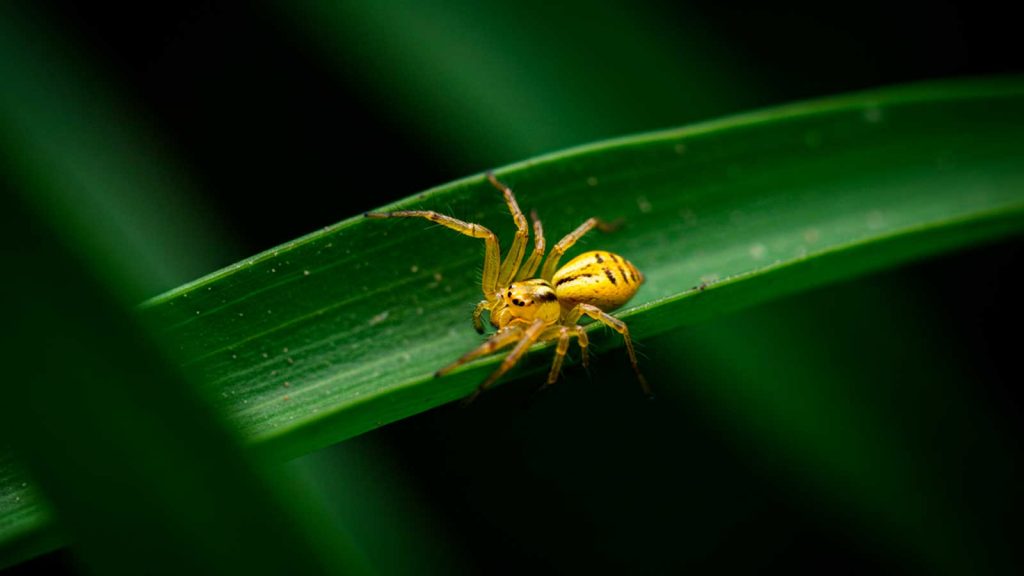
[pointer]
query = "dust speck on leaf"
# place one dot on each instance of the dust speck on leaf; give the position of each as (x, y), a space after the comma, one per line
(644, 204)
(811, 235)
(379, 318)
(757, 251)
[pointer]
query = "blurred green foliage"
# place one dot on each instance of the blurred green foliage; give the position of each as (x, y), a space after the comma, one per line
(88, 160)
(494, 83)
(141, 471)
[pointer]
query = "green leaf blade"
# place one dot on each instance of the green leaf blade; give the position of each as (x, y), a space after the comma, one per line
(341, 331)
(25, 521)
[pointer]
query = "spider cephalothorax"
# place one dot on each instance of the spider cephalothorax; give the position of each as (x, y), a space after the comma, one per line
(527, 309)
(527, 301)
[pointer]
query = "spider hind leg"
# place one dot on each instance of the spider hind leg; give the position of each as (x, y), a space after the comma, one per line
(620, 327)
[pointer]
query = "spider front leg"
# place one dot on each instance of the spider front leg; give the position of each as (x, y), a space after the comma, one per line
(510, 265)
(492, 252)
(533, 262)
(526, 339)
(617, 325)
(501, 339)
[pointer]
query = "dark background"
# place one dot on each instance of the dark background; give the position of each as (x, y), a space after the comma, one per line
(256, 112)
(260, 112)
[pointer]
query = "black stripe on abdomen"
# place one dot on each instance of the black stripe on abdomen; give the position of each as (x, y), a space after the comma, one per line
(610, 276)
(571, 278)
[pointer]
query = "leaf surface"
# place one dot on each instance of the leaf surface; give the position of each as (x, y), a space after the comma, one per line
(341, 331)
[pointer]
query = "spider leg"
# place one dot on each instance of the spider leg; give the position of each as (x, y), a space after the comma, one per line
(502, 339)
(584, 342)
(617, 325)
(564, 335)
(478, 323)
(492, 252)
(533, 262)
(551, 264)
(560, 350)
(528, 337)
(510, 265)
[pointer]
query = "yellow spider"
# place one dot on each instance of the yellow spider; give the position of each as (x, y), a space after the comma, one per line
(527, 310)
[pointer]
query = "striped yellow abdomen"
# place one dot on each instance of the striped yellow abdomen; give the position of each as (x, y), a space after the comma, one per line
(598, 277)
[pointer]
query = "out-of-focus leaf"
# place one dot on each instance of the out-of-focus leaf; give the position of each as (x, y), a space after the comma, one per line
(143, 474)
(483, 83)
(95, 165)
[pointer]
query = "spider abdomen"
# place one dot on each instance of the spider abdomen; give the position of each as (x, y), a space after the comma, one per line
(598, 277)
